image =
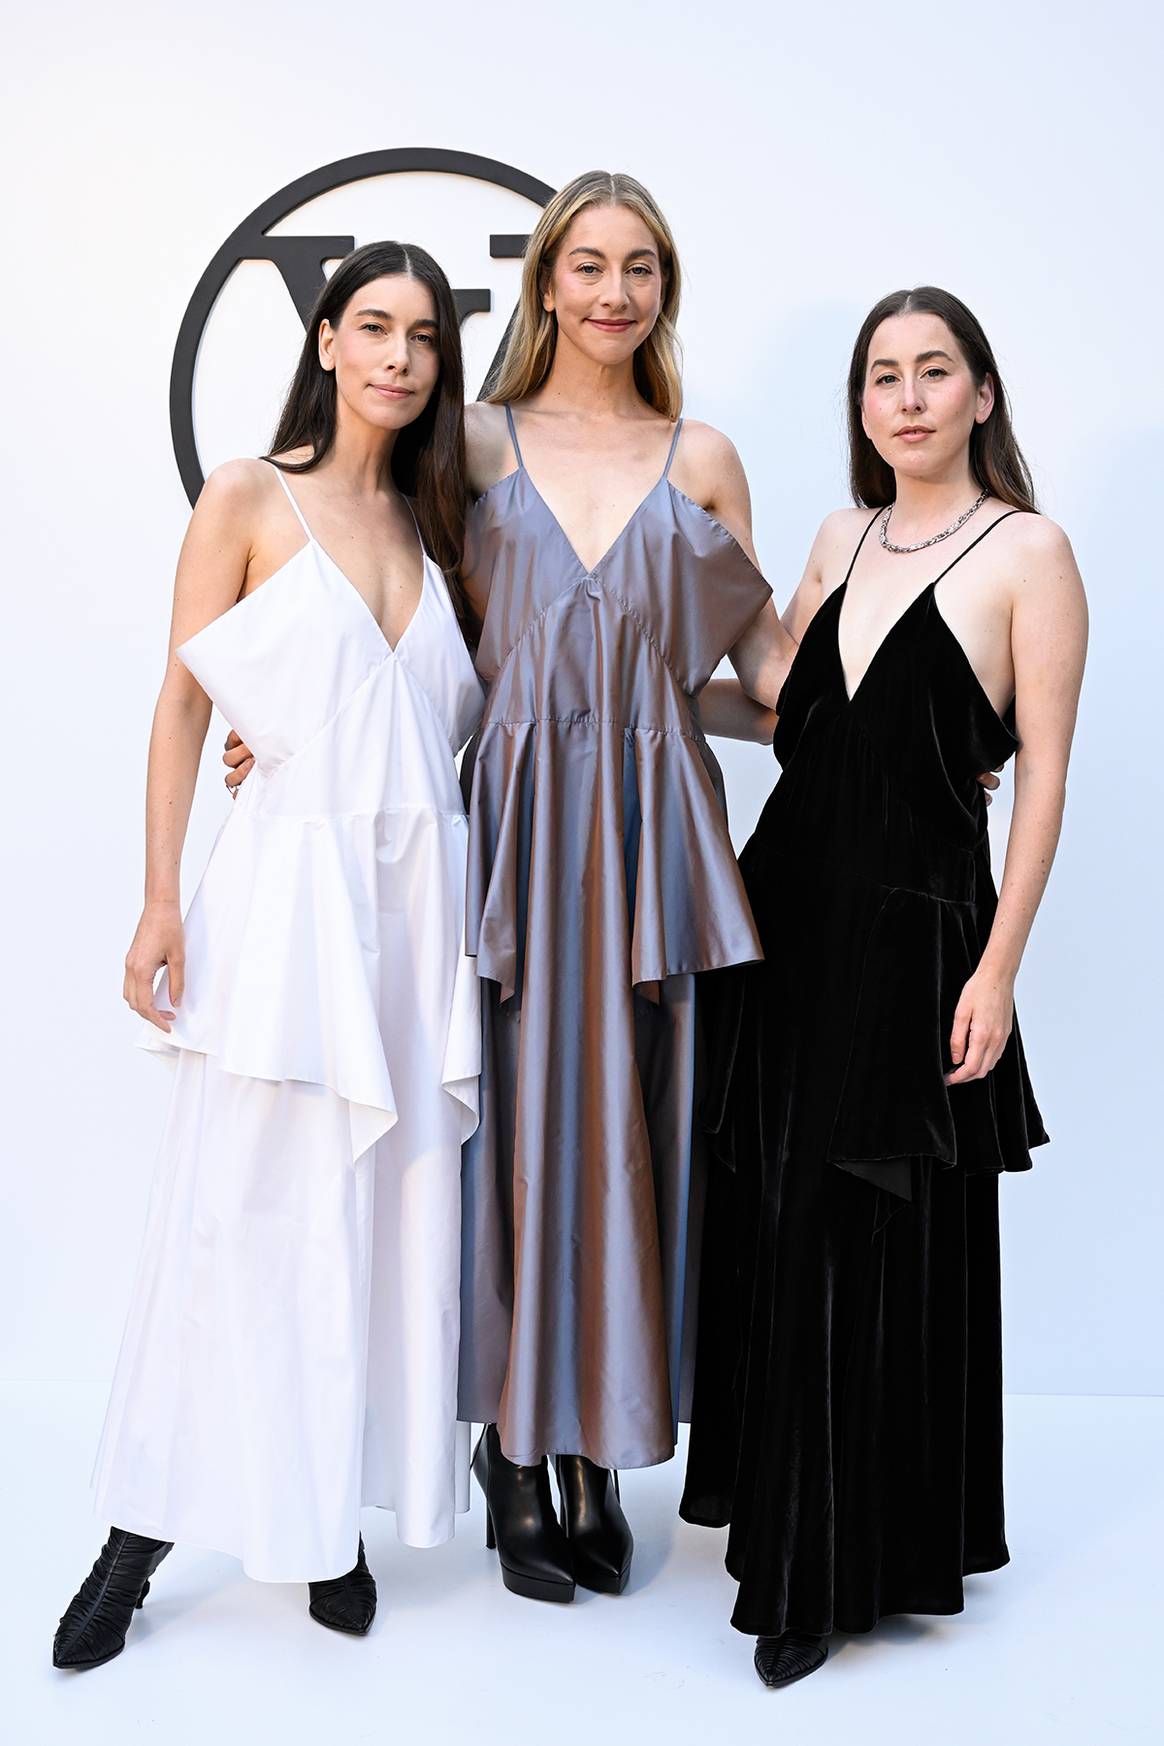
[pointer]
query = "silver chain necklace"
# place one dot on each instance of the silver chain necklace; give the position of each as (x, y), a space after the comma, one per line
(921, 545)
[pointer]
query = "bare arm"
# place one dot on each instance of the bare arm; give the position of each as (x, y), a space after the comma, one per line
(765, 651)
(210, 576)
(709, 470)
(1048, 645)
(489, 457)
(725, 709)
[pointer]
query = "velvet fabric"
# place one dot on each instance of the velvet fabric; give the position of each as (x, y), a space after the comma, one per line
(847, 1415)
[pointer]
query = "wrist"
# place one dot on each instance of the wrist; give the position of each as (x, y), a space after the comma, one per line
(998, 967)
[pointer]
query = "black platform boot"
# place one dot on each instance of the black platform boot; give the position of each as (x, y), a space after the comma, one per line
(780, 1660)
(521, 1524)
(601, 1543)
(100, 1613)
(346, 1603)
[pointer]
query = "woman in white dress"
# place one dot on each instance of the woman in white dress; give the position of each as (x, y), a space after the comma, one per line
(291, 1347)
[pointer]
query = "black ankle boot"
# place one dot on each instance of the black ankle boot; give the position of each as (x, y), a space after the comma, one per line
(346, 1603)
(601, 1543)
(780, 1660)
(520, 1522)
(98, 1616)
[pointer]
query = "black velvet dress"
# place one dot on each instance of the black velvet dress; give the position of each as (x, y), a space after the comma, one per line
(847, 1414)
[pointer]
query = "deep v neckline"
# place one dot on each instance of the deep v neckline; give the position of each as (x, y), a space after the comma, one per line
(592, 570)
(614, 544)
(393, 648)
(843, 592)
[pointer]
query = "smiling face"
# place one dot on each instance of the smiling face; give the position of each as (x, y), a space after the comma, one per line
(605, 284)
(920, 401)
(385, 351)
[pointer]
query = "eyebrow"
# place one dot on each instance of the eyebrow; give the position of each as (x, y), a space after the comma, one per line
(385, 315)
(633, 255)
(922, 358)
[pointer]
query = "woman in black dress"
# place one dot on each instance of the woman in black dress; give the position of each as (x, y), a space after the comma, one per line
(868, 1082)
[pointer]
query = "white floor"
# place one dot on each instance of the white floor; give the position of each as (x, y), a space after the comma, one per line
(1059, 1647)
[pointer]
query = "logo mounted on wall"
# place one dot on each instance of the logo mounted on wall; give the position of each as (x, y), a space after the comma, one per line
(300, 260)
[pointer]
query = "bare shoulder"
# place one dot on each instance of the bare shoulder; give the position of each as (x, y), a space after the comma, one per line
(1038, 539)
(705, 450)
(235, 485)
(844, 524)
(488, 450)
(707, 469)
(1040, 561)
(837, 538)
(234, 503)
(484, 419)
(230, 523)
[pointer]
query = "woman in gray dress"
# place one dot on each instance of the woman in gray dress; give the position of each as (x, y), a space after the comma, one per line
(609, 557)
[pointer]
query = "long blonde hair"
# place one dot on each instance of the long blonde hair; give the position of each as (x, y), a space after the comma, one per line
(534, 335)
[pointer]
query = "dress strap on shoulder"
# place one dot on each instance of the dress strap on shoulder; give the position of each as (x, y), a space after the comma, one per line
(674, 445)
(513, 435)
(299, 516)
(977, 542)
(416, 525)
(857, 551)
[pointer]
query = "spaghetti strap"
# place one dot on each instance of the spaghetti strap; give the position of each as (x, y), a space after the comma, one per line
(513, 437)
(977, 542)
(857, 552)
(416, 525)
(674, 443)
(299, 516)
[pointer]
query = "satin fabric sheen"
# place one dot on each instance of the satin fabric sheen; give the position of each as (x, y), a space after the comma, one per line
(291, 1347)
(601, 879)
(847, 1418)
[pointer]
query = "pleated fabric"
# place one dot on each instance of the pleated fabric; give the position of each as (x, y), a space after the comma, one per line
(601, 880)
(847, 1418)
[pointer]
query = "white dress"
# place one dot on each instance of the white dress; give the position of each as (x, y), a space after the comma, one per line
(292, 1342)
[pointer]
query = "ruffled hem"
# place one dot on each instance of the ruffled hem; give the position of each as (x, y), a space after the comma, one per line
(891, 1109)
(690, 911)
(284, 960)
(461, 1066)
(894, 1105)
(653, 823)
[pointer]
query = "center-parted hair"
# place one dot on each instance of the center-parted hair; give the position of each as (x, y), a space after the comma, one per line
(428, 458)
(996, 460)
(533, 336)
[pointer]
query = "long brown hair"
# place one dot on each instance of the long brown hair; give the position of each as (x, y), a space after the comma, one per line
(529, 350)
(996, 460)
(428, 459)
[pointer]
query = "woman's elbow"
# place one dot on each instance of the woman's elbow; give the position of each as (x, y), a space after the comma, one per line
(1040, 778)
(182, 699)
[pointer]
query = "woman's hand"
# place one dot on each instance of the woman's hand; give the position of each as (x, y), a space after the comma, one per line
(239, 761)
(160, 939)
(982, 1024)
(989, 781)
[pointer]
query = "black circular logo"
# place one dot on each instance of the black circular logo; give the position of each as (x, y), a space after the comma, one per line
(300, 262)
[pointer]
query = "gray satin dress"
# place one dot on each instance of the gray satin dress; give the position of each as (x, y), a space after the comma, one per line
(601, 879)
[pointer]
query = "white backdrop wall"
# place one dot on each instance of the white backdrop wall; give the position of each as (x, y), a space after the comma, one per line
(807, 164)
